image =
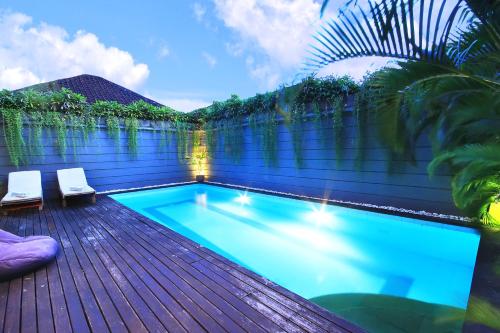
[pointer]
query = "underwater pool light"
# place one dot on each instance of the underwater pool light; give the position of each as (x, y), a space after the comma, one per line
(243, 199)
(319, 215)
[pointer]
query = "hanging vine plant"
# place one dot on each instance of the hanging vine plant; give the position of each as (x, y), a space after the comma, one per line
(13, 134)
(210, 138)
(36, 124)
(338, 126)
(58, 122)
(165, 136)
(182, 138)
(113, 128)
(89, 128)
(77, 126)
(297, 117)
(132, 127)
(270, 138)
(361, 118)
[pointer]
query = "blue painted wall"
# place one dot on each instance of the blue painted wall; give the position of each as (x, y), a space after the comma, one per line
(108, 166)
(405, 186)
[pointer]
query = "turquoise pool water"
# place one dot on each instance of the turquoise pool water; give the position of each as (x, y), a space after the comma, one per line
(317, 250)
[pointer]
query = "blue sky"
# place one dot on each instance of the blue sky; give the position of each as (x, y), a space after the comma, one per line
(182, 53)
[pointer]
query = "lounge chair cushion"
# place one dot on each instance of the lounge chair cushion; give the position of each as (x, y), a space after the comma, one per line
(20, 255)
(73, 182)
(24, 186)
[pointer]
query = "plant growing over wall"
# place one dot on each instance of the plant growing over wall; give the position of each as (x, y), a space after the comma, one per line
(113, 128)
(36, 124)
(296, 126)
(338, 126)
(89, 127)
(77, 126)
(132, 126)
(210, 138)
(165, 136)
(13, 134)
(182, 138)
(58, 122)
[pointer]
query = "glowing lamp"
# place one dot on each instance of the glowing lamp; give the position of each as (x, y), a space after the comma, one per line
(199, 157)
(494, 211)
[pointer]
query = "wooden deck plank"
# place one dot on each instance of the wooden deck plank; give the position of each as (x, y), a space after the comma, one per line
(128, 314)
(109, 312)
(208, 288)
(183, 294)
(157, 314)
(264, 310)
(256, 282)
(93, 313)
(319, 316)
(74, 305)
(119, 271)
(13, 310)
(28, 296)
(261, 284)
(60, 314)
(233, 299)
(45, 322)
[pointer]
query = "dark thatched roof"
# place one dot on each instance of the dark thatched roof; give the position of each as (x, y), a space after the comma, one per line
(94, 88)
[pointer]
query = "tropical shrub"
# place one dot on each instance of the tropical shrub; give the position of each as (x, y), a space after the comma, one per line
(445, 82)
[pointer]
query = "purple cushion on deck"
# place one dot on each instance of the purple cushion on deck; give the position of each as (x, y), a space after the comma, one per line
(7, 237)
(19, 255)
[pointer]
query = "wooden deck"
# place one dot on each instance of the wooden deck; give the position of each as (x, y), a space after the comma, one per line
(119, 271)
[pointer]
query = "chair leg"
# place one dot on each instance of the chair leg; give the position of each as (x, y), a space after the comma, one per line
(64, 202)
(93, 199)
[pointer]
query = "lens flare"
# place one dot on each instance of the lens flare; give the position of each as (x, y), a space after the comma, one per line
(320, 216)
(243, 199)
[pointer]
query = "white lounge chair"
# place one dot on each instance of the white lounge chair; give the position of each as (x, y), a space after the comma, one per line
(24, 190)
(72, 182)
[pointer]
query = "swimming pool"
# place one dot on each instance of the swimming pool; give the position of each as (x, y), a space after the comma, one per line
(320, 251)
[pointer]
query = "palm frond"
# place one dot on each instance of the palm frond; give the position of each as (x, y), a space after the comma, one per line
(388, 28)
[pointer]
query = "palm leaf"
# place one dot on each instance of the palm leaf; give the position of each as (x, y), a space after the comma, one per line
(387, 28)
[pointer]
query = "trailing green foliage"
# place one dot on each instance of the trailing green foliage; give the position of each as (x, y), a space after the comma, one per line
(36, 122)
(361, 116)
(296, 102)
(182, 138)
(446, 83)
(270, 138)
(13, 133)
(113, 127)
(58, 122)
(132, 126)
(77, 126)
(210, 138)
(338, 127)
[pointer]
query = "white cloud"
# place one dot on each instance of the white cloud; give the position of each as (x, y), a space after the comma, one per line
(199, 11)
(281, 28)
(185, 104)
(235, 49)
(355, 67)
(163, 52)
(31, 54)
(180, 101)
(210, 59)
